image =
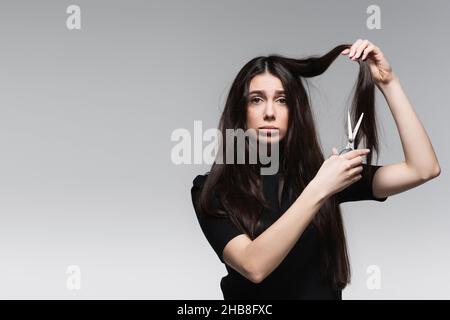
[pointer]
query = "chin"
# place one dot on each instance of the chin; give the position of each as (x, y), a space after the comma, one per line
(269, 139)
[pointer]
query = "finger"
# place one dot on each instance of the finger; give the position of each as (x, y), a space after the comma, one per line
(354, 153)
(356, 161)
(354, 47)
(355, 178)
(334, 153)
(360, 49)
(367, 50)
(346, 51)
(355, 171)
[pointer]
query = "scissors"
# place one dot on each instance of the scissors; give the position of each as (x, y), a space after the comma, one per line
(351, 135)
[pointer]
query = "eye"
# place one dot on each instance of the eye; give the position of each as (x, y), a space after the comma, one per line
(282, 100)
(255, 100)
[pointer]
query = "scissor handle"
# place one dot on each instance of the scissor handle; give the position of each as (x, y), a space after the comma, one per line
(345, 150)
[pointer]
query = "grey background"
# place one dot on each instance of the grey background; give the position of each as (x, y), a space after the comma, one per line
(86, 117)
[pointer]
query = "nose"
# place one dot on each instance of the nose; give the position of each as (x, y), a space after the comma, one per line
(269, 113)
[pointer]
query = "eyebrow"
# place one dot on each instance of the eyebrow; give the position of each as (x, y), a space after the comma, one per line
(261, 92)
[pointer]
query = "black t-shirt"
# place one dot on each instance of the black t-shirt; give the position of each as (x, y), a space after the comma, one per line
(298, 275)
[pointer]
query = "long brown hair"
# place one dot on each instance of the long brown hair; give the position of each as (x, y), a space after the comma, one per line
(239, 185)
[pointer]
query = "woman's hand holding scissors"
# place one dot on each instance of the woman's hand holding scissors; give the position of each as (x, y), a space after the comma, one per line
(339, 171)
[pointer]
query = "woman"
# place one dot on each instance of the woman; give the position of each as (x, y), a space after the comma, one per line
(281, 236)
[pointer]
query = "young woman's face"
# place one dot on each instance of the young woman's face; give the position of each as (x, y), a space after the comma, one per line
(267, 108)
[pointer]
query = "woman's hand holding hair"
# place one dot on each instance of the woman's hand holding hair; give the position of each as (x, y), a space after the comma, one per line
(339, 171)
(379, 66)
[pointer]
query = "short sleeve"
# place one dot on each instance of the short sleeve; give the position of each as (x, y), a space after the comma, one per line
(361, 189)
(217, 230)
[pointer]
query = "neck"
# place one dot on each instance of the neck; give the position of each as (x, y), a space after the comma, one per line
(271, 158)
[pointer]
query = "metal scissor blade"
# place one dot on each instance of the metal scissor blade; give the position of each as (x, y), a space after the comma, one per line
(349, 126)
(357, 126)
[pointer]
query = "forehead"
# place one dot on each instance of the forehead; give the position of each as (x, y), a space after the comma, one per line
(265, 82)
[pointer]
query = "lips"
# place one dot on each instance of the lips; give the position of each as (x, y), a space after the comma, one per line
(269, 131)
(269, 128)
